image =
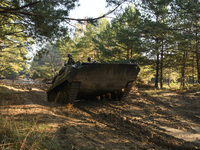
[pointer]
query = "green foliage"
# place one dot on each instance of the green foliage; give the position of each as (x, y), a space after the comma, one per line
(24, 23)
(37, 18)
(48, 65)
(12, 60)
(13, 42)
(84, 44)
(121, 38)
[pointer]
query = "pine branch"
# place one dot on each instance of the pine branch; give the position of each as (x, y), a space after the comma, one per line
(54, 17)
(6, 10)
(3, 70)
(11, 33)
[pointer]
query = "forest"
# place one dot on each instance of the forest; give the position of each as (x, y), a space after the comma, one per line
(162, 35)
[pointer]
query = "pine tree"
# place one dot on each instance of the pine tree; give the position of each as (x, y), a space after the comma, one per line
(121, 40)
(155, 30)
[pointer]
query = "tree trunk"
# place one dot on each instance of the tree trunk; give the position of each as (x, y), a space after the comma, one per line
(183, 69)
(127, 54)
(94, 55)
(131, 53)
(161, 68)
(157, 71)
(169, 78)
(193, 69)
(197, 57)
(198, 69)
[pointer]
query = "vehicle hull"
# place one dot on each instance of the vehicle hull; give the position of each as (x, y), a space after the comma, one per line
(98, 78)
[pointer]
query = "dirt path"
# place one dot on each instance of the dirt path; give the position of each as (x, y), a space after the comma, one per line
(164, 121)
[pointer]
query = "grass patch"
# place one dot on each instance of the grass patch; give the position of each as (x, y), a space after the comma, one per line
(189, 88)
(152, 92)
(5, 91)
(175, 87)
(149, 90)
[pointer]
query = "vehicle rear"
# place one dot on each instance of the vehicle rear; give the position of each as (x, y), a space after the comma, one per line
(93, 79)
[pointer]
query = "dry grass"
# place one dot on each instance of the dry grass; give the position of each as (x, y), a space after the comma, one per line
(24, 135)
(21, 130)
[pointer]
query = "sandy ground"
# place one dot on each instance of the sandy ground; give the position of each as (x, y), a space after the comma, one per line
(165, 121)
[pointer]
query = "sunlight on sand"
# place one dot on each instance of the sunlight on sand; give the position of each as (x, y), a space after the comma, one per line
(23, 90)
(187, 136)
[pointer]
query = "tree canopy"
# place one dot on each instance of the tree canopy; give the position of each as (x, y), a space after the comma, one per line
(26, 22)
(162, 34)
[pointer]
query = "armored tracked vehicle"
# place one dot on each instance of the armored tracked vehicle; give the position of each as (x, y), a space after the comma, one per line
(89, 80)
